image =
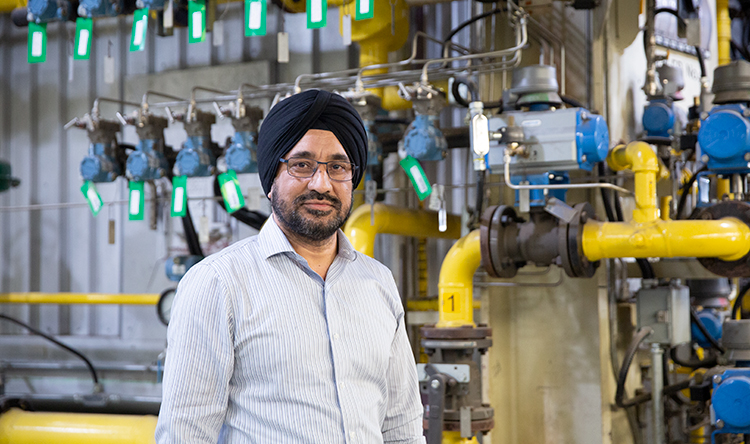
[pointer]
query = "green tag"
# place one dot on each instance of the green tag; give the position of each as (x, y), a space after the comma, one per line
(179, 196)
(197, 21)
(230, 189)
(83, 39)
(37, 42)
(317, 11)
(417, 176)
(365, 9)
(140, 26)
(92, 196)
(255, 17)
(136, 201)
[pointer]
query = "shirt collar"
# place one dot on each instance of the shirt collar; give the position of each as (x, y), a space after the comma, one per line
(273, 241)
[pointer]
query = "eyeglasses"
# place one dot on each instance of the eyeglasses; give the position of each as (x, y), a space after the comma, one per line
(303, 168)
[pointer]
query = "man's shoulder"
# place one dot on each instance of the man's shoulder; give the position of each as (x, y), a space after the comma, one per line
(243, 251)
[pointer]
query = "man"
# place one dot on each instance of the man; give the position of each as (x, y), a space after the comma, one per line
(292, 336)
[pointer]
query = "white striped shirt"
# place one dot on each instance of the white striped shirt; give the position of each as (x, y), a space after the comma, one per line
(260, 344)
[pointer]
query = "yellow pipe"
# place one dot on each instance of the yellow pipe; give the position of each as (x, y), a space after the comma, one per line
(723, 31)
(722, 189)
(79, 298)
(430, 304)
(395, 220)
(641, 159)
(456, 283)
(20, 427)
(728, 239)
(10, 5)
(455, 438)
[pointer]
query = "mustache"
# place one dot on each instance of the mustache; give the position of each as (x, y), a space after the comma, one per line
(314, 195)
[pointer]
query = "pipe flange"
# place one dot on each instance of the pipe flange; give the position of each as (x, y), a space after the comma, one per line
(730, 208)
(499, 225)
(481, 425)
(570, 243)
(430, 332)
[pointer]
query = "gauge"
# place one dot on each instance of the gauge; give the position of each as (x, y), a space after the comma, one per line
(164, 306)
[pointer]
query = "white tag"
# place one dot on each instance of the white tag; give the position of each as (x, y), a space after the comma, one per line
(283, 47)
(255, 15)
(36, 44)
(442, 220)
(217, 35)
(230, 193)
(197, 24)
(135, 201)
(203, 230)
(138, 37)
(179, 196)
(418, 179)
(316, 14)
(524, 203)
(109, 70)
(346, 29)
(83, 42)
(71, 68)
(364, 7)
(96, 203)
(436, 198)
(168, 15)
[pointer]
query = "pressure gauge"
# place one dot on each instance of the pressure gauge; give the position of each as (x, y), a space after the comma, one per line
(164, 306)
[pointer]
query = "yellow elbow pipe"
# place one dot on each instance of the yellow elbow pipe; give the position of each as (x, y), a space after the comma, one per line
(456, 283)
(79, 298)
(727, 239)
(395, 220)
(723, 31)
(640, 158)
(20, 427)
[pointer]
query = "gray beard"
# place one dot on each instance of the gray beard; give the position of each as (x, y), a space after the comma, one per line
(310, 229)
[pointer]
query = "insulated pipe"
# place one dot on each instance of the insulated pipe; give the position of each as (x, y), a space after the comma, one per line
(79, 298)
(20, 427)
(395, 220)
(456, 283)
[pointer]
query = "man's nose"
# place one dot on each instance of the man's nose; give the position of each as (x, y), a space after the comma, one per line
(320, 181)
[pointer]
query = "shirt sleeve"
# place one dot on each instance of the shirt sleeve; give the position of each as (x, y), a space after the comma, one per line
(199, 362)
(403, 418)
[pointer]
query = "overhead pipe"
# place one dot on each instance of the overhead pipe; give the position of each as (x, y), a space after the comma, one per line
(366, 222)
(79, 298)
(647, 235)
(20, 427)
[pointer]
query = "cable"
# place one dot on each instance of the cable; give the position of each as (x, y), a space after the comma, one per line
(698, 323)
(474, 92)
(253, 219)
(476, 18)
(639, 337)
(707, 362)
(684, 189)
(94, 376)
(480, 196)
(191, 237)
(737, 306)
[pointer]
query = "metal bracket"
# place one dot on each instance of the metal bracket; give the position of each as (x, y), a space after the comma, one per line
(459, 372)
(560, 210)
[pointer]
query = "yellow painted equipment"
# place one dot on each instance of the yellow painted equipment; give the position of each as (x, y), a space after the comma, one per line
(79, 298)
(456, 283)
(647, 235)
(20, 427)
(395, 220)
(723, 31)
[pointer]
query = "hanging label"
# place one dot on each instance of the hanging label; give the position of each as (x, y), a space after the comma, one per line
(283, 47)
(365, 9)
(204, 229)
(217, 33)
(230, 190)
(436, 197)
(197, 21)
(317, 11)
(168, 16)
(82, 47)
(37, 43)
(417, 176)
(255, 17)
(179, 196)
(109, 70)
(346, 29)
(136, 201)
(138, 34)
(92, 197)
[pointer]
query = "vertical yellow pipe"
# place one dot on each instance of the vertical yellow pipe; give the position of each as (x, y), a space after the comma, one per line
(455, 438)
(722, 188)
(640, 158)
(456, 283)
(723, 31)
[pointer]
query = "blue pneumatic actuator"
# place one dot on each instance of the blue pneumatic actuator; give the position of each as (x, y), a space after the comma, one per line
(44, 11)
(423, 140)
(241, 154)
(98, 165)
(730, 402)
(658, 118)
(195, 159)
(147, 162)
(724, 139)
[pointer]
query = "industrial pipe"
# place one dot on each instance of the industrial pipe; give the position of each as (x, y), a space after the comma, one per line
(367, 222)
(640, 158)
(723, 31)
(79, 298)
(20, 427)
(456, 282)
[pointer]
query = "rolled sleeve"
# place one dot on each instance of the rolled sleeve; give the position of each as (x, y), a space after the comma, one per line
(199, 362)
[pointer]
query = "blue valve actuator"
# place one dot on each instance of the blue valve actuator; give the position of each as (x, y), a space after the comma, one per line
(146, 162)
(592, 139)
(195, 158)
(423, 140)
(241, 154)
(43, 11)
(712, 322)
(730, 402)
(724, 139)
(658, 118)
(98, 166)
(98, 8)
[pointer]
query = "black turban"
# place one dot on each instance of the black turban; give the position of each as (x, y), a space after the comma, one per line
(289, 121)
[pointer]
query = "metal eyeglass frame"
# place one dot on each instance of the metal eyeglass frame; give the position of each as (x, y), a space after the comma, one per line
(318, 163)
